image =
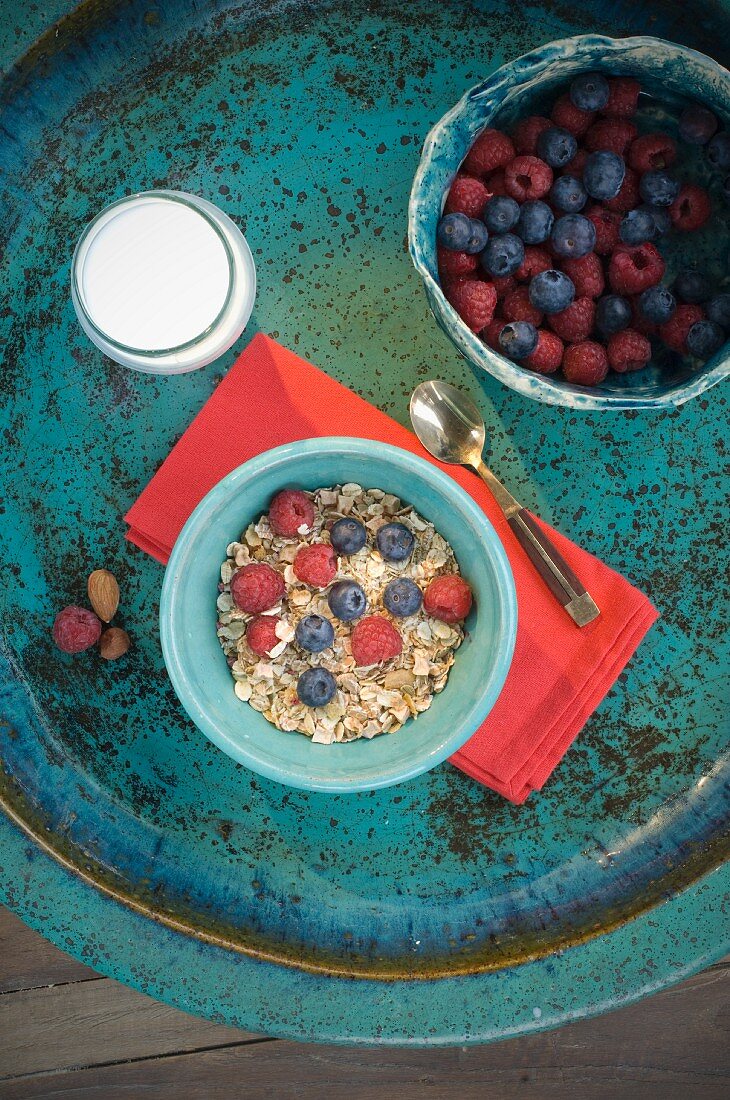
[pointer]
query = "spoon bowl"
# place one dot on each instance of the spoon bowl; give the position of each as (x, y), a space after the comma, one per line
(448, 423)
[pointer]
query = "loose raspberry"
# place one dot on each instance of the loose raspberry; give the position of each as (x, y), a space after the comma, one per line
(261, 634)
(76, 629)
(495, 183)
(527, 131)
(628, 350)
(492, 149)
(632, 270)
(474, 301)
(547, 356)
(575, 166)
(628, 195)
(570, 117)
(517, 307)
(257, 587)
(467, 196)
(585, 364)
(691, 208)
(674, 331)
(316, 565)
(490, 335)
(587, 275)
(503, 284)
(649, 151)
(613, 134)
(291, 513)
(454, 264)
(607, 224)
(448, 598)
(528, 178)
(536, 260)
(576, 322)
(623, 97)
(374, 639)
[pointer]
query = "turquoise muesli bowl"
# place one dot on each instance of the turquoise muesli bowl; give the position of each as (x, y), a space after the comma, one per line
(670, 75)
(198, 668)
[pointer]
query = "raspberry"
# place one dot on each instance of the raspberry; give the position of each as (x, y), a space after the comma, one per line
(570, 117)
(503, 284)
(650, 151)
(614, 134)
(517, 307)
(474, 301)
(76, 629)
(453, 264)
(585, 364)
(674, 331)
(628, 350)
(691, 208)
(261, 634)
(291, 513)
(576, 165)
(527, 178)
(548, 355)
(623, 97)
(448, 598)
(527, 131)
(492, 149)
(536, 260)
(576, 322)
(495, 183)
(587, 275)
(607, 224)
(490, 335)
(467, 196)
(316, 565)
(632, 270)
(628, 196)
(374, 639)
(257, 587)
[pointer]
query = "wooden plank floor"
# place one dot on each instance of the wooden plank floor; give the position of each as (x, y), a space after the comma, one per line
(66, 1032)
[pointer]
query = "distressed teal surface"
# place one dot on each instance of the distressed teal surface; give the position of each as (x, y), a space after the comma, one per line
(304, 122)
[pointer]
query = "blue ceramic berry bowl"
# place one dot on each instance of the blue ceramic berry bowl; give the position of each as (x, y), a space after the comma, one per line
(196, 663)
(670, 76)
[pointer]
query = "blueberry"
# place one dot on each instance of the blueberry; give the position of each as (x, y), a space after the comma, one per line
(551, 291)
(454, 231)
(402, 597)
(346, 600)
(556, 147)
(697, 124)
(314, 633)
(500, 214)
(613, 313)
(503, 254)
(573, 236)
(315, 687)
(657, 304)
(395, 542)
(691, 286)
(568, 194)
(662, 220)
(535, 221)
(658, 187)
(704, 339)
(603, 174)
(518, 339)
(636, 227)
(479, 237)
(348, 536)
(718, 151)
(589, 92)
(718, 310)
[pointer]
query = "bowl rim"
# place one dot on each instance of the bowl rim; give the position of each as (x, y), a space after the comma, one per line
(478, 354)
(284, 456)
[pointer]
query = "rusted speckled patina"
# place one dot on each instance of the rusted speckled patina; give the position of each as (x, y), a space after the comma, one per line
(129, 839)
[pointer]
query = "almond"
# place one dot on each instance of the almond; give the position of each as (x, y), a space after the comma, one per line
(114, 643)
(103, 593)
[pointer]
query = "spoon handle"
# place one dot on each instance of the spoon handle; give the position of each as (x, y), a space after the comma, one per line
(544, 555)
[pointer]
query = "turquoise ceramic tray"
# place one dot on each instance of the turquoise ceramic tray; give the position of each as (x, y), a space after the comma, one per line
(428, 912)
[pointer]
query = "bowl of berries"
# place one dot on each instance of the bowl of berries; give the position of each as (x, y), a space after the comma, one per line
(338, 614)
(570, 219)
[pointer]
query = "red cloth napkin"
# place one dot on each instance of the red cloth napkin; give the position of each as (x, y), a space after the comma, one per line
(559, 674)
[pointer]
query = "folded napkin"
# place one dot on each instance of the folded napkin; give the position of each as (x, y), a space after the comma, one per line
(559, 674)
